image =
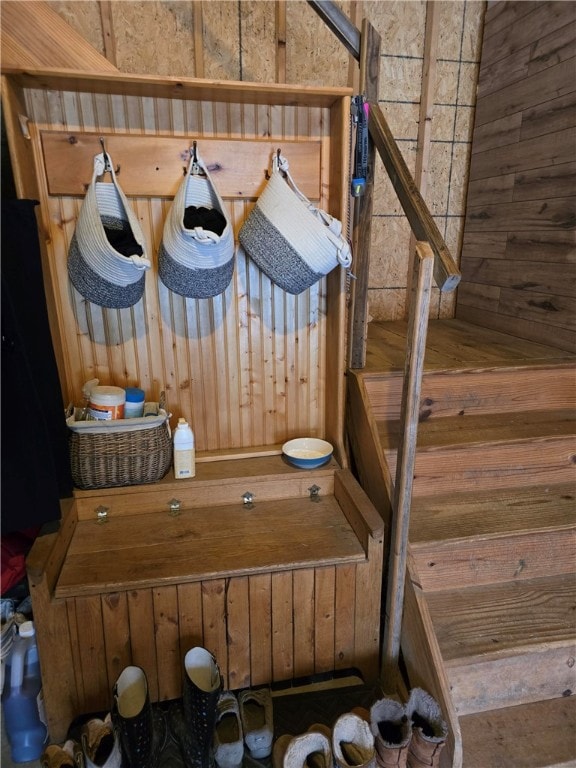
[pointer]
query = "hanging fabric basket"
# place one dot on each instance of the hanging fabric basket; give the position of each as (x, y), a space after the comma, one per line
(106, 258)
(196, 257)
(294, 243)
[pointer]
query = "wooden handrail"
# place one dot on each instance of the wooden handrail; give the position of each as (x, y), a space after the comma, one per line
(446, 273)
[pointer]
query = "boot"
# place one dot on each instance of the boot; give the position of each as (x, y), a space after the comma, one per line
(194, 723)
(429, 730)
(392, 731)
(353, 742)
(100, 744)
(142, 732)
(309, 750)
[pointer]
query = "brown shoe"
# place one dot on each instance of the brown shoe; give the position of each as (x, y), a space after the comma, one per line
(67, 756)
(392, 731)
(429, 730)
(100, 744)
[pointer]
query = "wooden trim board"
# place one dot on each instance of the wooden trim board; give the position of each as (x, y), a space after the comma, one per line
(153, 166)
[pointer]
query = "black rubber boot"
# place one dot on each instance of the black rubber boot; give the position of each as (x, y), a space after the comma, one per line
(193, 724)
(142, 730)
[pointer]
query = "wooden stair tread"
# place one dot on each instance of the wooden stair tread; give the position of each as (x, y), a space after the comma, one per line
(536, 735)
(500, 619)
(492, 513)
(454, 432)
(453, 344)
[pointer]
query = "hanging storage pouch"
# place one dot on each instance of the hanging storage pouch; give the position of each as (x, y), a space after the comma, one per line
(196, 257)
(292, 242)
(106, 258)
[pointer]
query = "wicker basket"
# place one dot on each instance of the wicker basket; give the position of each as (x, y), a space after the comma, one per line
(105, 454)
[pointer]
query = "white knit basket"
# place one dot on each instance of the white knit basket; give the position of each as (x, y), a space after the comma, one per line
(196, 263)
(292, 241)
(96, 268)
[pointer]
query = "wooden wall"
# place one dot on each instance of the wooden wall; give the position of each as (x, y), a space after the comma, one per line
(428, 72)
(519, 253)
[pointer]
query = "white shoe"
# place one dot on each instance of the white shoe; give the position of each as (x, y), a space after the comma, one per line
(228, 734)
(257, 721)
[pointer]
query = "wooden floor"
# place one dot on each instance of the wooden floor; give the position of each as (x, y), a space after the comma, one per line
(454, 345)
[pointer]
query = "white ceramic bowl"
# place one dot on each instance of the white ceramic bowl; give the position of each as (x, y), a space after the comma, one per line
(307, 452)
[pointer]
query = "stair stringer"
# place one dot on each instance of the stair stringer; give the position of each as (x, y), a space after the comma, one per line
(424, 663)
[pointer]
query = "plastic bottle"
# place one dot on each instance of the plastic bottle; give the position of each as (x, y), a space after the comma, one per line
(134, 405)
(184, 453)
(24, 717)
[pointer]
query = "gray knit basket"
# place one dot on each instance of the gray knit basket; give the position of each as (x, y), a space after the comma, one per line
(294, 243)
(96, 269)
(196, 263)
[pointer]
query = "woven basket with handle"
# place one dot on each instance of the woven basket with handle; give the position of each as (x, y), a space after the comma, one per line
(105, 454)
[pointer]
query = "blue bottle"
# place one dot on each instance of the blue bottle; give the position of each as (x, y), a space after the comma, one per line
(22, 700)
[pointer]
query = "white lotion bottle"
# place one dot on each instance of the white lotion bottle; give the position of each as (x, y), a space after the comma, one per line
(184, 451)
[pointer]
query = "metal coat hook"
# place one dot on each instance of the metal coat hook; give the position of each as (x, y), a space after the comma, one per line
(107, 163)
(196, 170)
(266, 172)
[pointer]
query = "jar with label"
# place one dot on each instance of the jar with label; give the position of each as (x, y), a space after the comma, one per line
(107, 403)
(134, 405)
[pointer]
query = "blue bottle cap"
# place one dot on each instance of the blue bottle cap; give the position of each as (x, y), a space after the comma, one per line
(134, 395)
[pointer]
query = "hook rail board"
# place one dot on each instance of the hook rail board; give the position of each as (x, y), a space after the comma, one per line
(153, 166)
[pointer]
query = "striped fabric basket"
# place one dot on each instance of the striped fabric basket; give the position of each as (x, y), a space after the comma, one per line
(97, 270)
(196, 263)
(294, 243)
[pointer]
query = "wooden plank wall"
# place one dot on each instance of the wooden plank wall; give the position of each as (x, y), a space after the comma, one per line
(268, 41)
(519, 253)
(248, 367)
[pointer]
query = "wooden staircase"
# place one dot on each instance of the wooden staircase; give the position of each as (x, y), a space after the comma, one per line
(490, 612)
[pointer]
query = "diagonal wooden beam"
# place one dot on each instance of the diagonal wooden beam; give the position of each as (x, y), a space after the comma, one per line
(340, 25)
(35, 36)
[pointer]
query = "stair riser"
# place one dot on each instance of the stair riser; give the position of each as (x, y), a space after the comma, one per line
(477, 392)
(526, 677)
(488, 466)
(489, 560)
